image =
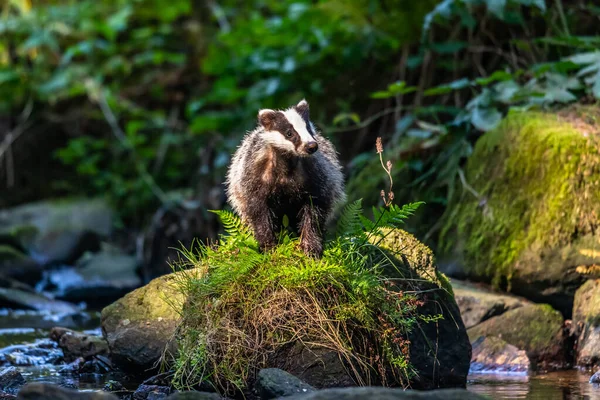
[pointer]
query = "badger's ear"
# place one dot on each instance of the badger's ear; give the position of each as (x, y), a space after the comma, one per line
(266, 118)
(303, 110)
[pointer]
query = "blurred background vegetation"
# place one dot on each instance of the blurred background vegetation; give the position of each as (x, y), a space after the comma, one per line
(143, 101)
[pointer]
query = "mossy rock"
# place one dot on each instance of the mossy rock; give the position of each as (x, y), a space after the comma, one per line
(535, 328)
(586, 324)
(284, 292)
(493, 355)
(527, 220)
(478, 304)
(139, 328)
(15, 264)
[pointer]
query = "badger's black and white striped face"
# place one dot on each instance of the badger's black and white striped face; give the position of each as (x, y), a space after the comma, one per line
(289, 130)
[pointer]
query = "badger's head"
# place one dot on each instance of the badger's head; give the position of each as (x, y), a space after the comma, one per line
(289, 130)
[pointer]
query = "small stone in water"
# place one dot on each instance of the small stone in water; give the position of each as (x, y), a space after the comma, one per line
(113, 386)
(595, 378)
(11, 380)
(145, 392)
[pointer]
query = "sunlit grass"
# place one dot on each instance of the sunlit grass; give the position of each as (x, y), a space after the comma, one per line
(244, 305)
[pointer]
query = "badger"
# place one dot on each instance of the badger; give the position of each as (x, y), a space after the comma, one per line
(286, 168)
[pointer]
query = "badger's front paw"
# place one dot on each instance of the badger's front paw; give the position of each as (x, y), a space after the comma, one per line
(312, 247)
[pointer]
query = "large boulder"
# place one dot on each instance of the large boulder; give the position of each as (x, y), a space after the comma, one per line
(537, 329)
(58, 231)
(439, 351)
(586, 324)
(530, 217)
(140, 326)
(15, 264)
(478, 304)
(437, 346)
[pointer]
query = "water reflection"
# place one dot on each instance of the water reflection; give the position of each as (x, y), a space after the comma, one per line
(564, 385)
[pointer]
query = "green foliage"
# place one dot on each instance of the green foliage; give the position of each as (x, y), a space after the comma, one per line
(492, 73)
(152, 96)
(243, 304)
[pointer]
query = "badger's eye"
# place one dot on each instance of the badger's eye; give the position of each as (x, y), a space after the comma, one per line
(289, 134)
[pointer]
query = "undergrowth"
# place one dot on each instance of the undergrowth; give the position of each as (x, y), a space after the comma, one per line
(245, 308)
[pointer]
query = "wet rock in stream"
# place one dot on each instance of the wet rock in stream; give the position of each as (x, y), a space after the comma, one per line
(494, 355)
(46, 391)
(11, 380)
(149, 392)
(76, 344)
(58, 231)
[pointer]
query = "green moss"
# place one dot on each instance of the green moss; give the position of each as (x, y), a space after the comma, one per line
(537, 176)
(586, 306)
(160, 299)
(534, 328)
(418, 258)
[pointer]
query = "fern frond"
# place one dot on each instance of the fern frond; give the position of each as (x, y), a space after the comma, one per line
(232, 223)
(349, 223)
(390, 217)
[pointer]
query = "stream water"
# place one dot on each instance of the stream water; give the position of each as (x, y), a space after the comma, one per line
(24, 343)
(563, 385)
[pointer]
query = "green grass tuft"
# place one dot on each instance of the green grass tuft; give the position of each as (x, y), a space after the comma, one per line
(244, 306)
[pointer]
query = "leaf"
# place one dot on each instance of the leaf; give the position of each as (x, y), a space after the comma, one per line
(404, 123)
(8, 75)
(232, 223)
(432, 127)
(485, 119)
(541, 4)
(496, 7)
(585, 58)
(419, 133)
(497, 76)
(346, 116)
(505, 91)
(447, 88)
(400, 87)
(382, 94)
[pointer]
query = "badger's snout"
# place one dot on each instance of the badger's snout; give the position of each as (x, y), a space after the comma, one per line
(311, 147)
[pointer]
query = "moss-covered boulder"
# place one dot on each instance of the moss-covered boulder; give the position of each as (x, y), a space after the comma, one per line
(438, 350)
(586, 324)
(58, 231)
(537, 329)
(478, 304)
(528, 214)
(343, 320)
(139, 328)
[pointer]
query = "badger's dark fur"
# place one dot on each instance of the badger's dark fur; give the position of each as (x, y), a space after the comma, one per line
(285, 167)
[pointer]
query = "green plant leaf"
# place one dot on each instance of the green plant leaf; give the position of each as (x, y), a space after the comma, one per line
(485, 119)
